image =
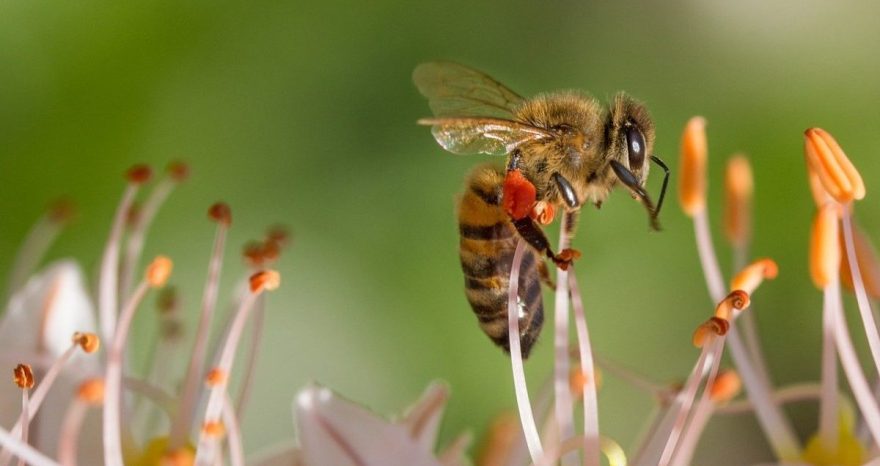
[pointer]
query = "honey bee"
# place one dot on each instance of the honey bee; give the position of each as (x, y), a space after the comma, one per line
(564, 149)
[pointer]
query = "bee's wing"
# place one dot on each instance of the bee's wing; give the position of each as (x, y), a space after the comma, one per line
(492, 136)
(455, 90)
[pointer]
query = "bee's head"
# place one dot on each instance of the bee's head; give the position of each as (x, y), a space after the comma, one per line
(629, 135)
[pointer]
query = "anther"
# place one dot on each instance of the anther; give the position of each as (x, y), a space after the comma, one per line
(738, 188)
(266, 280)
(221, 213)
(828, 161)
(726, 386)
(62, 210)
(278, 234)
(139, 174)
(824, 246)
(23, 376)
(158, 271)
(253, 253)
(753, 274)
(694, 152)
(89, 342)
(178, 171)
(133, 215)
(213, 429)
(715, 326)
(216, 376)
(577, 381)
(91, 392)
(736, 300)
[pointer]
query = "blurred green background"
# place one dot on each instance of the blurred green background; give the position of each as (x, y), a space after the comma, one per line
(304, 113)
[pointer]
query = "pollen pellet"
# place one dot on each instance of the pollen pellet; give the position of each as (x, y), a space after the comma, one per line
(827, 160)
(139, 174)
(158, 271)
(265, 280)
(91, 391)
(824, 246)
(89, 342)
(518, 195)
(725, 387)
(751, 276)
(694, 152)
(221, 213)
(214, 429)
(215, 377)
(23, 376)
(738, 187)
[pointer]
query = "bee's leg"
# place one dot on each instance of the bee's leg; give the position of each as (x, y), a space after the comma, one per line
(626, 177)
(534, 235)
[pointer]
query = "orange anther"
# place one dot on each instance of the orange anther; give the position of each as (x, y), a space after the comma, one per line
(737, 299)
(518, 195)
(265, 280)
(91, 391)
(89, 342)
(825, 246)
(214, 429)
(23, 376)
(715, 326)
(139, 174)
(158, 271)
(168, 300)
(215, 377)
(220, 213)
(62, 210)
(694, 152)
(543, 212)
(753, 274)
(278, 234)
(738, 187)
(726, 386)
(178, 171)
(828, 161)
(578, 381)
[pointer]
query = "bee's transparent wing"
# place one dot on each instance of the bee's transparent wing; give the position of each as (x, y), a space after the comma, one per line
(455, 90)
(492, 136)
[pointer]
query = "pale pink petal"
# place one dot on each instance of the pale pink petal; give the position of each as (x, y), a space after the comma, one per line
(336, 432)
(423, 418)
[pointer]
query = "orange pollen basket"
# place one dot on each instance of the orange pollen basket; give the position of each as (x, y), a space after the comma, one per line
(518, 195)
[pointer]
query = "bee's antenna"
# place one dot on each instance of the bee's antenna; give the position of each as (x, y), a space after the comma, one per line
(662, 165)
(626, 177)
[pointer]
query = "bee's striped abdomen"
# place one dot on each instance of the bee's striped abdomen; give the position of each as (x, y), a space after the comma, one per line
(488, 241)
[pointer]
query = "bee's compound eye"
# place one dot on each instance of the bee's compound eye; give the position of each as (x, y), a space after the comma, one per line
(635, 144)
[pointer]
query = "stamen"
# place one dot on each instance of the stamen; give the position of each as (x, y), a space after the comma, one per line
(248, 376)
(215, 377)
(236, 450)
(738, 188)
(820, 195)
(591, 403)
(824, 246)
(260, 281)
(37, 242)
(828, 161)
(754, 274)
(24, 378)
(723, 388)
(530, 429)
(156, 275)
(24, 451)
(180, 428)
(108, 281)
(278, 235)
(714, 327)
(89, 342)
(502, 438)
(694, 152)
(562, 392)
(176, 173)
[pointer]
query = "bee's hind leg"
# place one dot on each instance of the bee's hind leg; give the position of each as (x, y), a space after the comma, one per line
(544, 275)
(532, 233)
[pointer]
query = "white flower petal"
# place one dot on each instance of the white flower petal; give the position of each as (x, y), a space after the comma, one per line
(423, 418)
(336, 432)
